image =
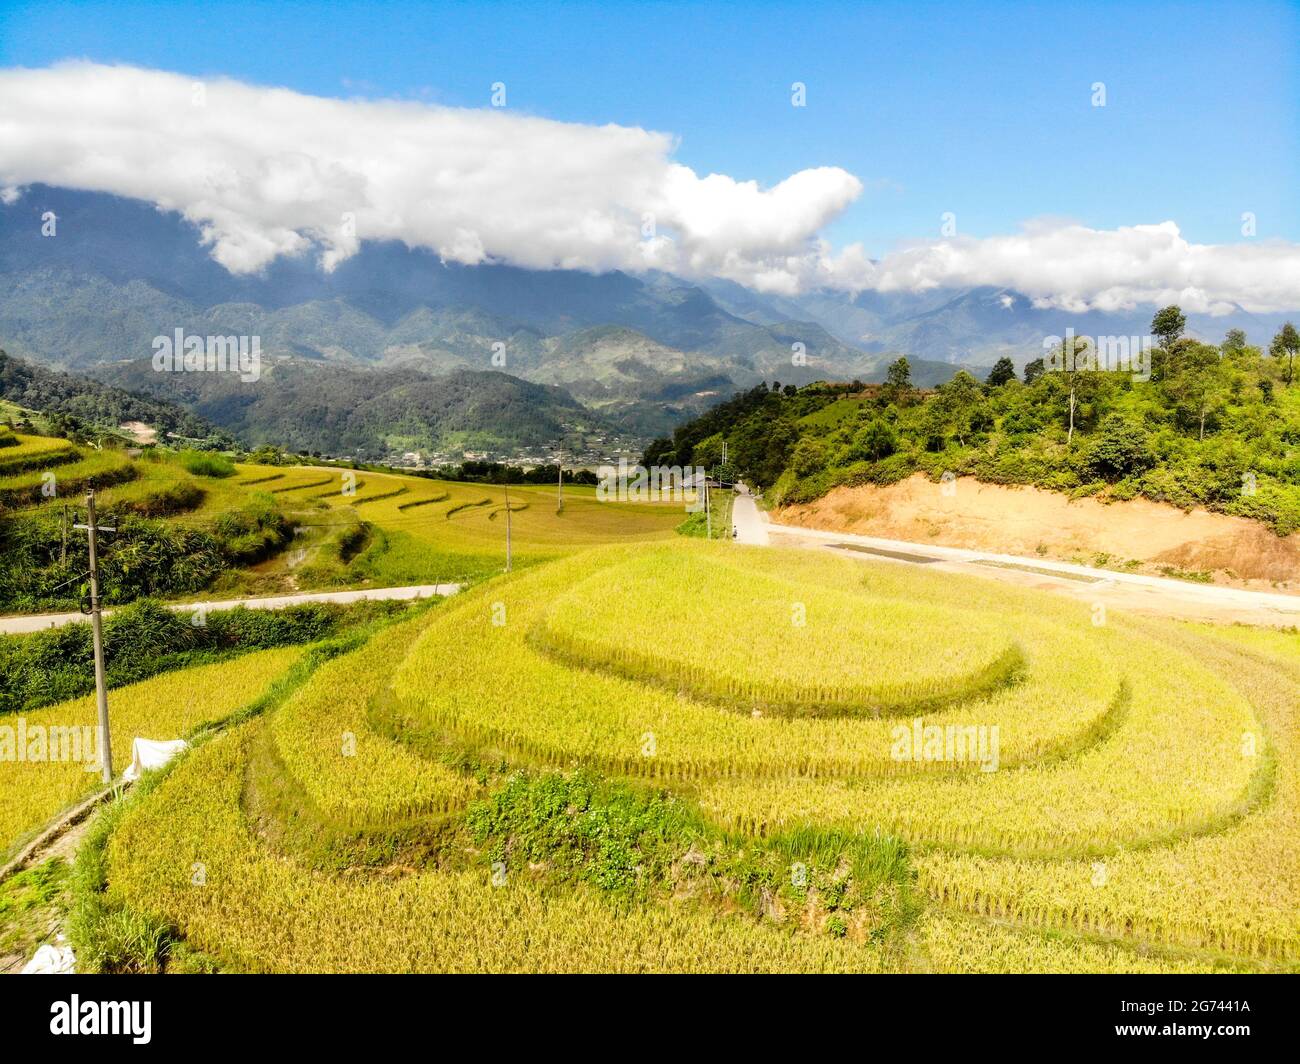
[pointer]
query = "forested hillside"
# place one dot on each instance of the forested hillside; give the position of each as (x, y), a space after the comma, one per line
(79, 405)
(1213, 426)
(369, 414)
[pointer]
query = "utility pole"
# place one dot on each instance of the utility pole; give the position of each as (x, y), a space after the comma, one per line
(559, 484)
(507, 486)
(96, 628)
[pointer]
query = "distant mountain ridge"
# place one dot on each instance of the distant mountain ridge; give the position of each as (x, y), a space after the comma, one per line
(641, 353)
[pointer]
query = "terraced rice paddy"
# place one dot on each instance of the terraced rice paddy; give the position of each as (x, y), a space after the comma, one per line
(1136, 809)
(45, 780)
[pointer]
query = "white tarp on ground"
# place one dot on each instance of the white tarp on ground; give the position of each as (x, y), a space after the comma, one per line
(148, 754)
(52, 960)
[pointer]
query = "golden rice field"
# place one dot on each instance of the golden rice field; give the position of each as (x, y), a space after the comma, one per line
(1136, 809)
(430, 531)
(30, 451)
(352, 774)
(352, 528)
(168, 706)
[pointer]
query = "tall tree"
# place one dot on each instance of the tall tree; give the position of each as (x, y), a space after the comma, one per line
(1003, 371)
(899, 375)
(1198, 385)
(898, 382)
(1285, 347)
(1168, 325)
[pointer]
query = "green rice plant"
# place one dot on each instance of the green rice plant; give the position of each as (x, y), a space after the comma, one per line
(206, 464)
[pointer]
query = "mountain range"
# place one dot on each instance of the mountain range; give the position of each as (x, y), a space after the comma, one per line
(387, 349)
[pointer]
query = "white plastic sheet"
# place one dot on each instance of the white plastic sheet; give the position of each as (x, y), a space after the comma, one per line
(52, 960)
(149, 754)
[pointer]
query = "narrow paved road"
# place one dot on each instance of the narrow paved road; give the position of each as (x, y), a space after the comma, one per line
(17, 625)
(1130, 591)
(751, 525)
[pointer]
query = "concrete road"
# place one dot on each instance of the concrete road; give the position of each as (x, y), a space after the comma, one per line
(36, 623)
(751, 524)
(1156, 595)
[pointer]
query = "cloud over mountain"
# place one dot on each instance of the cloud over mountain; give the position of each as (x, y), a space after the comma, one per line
(267, 172)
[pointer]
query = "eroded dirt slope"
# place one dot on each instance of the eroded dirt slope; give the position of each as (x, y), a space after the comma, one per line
(1032, 522)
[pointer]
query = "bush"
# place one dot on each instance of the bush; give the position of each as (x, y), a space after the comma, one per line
(173, 499)
(146, 638)
(206, 463)
(254, 532)
(1122, 447)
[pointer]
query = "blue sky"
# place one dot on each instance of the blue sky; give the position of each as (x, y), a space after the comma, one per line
(984, 111)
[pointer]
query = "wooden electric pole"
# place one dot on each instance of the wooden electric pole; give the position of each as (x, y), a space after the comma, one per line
(97, 632)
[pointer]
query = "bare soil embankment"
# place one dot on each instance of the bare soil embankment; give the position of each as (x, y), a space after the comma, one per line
(1035, 523)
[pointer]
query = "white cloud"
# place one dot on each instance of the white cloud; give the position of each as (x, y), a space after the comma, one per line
(1076, 268)
(268, 172)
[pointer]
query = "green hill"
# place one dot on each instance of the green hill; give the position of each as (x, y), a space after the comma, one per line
(1213, 426)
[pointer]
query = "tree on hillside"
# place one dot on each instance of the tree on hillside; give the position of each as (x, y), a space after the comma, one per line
(1003, 371)
(809, 457)
(1198, 384)
(1122, 447)
(1077, 361)
(899, 374)
(898, 382)
(875, 440)
(1234, 341)
(708, 452)
(1168, 325)
(1285, 347)
(1034, 370)
(960, 405)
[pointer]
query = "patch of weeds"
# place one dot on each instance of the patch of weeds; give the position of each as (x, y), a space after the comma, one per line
(29, 905)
